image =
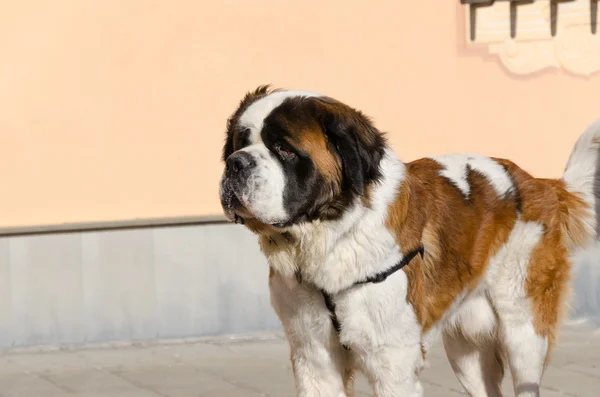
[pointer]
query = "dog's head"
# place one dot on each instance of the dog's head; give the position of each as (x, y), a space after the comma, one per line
(293, 157)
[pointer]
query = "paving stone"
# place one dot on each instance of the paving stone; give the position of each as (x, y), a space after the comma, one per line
(24, 385)
(248, 368)
(180, 381)
(137, 393)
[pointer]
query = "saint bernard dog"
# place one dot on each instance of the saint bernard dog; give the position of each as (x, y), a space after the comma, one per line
(370, 257)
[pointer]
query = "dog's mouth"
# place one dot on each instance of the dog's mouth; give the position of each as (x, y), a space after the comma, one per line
(235, 205)
(238, 219)
(242, 217)
(234, 209)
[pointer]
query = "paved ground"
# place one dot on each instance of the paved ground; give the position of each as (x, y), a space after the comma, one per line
(242, 367)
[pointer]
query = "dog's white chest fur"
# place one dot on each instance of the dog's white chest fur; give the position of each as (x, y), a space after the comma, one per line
(334, 255)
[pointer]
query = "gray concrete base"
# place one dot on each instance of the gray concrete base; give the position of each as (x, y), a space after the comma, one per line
(80, 287)
(135, 284)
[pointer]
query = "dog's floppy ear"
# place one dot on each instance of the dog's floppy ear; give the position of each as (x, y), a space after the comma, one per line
(357, 142)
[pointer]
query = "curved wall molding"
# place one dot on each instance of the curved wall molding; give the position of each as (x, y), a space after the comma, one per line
(574, 48)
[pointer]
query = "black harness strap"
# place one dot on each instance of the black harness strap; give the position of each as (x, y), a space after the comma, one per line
(331, 307)
(376, 279)
(334, 320)
(381, 277)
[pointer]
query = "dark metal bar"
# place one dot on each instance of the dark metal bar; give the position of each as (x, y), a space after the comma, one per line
(594, 15)
(553, 16)
(473, 20)
(473, 6)
(514, 4)
(513, 19)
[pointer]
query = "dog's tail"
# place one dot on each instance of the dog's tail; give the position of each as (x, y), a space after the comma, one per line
(581, 223)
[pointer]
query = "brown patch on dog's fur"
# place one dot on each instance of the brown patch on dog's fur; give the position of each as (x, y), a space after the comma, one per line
(459, 235)
(547, 202)
(308, 137)
(547, 285)
(572, 212)
(341, 143)
(346, 124)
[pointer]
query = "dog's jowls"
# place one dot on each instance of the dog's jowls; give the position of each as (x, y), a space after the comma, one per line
(333, 205)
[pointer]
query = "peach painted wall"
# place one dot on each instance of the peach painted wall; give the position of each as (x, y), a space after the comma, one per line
(113, 110)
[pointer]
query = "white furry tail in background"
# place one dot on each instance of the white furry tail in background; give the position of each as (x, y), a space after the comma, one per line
(582, 174)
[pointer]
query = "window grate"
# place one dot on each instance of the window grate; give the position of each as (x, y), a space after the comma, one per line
(474, 5)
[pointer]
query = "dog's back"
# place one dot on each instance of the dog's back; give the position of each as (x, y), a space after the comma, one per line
(498, 243)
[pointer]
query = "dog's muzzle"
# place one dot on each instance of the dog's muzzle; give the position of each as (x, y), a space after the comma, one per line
(238, 168)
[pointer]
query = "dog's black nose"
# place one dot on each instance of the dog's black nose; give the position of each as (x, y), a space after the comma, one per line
(239, 161)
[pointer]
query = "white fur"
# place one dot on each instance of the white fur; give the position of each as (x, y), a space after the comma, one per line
(263, 193)
(476, 366)
(455, 170)
(382, 329)
(525, 350)
(379, 324)
(318, 358)
(473, 316)
(335, 254)
(255, 115)
(581, 172)
(497, 317)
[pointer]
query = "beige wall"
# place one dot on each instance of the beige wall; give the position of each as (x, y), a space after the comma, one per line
(115, 109)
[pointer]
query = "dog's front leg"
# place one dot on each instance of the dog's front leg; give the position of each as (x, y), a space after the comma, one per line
(381, 328)
(318, 372)
(320, 363)
(393, 371)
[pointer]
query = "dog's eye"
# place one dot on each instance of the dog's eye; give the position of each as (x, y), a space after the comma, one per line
(284, 152)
